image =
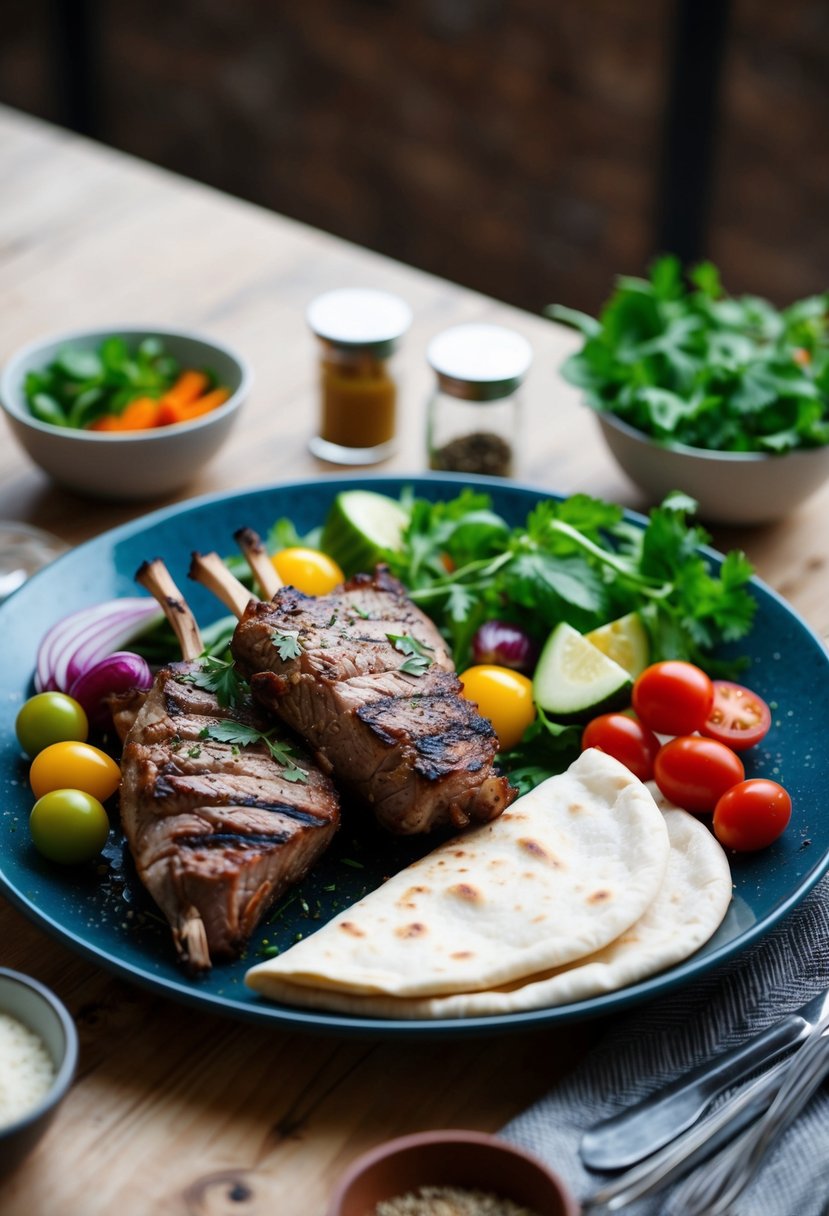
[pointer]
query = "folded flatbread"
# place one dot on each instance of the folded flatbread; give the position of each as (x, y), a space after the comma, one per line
(687, 910)
(565, 871)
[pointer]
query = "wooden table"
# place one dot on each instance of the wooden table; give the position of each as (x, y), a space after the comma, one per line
(175, 1112)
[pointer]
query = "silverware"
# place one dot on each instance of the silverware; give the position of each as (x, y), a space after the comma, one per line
(640, 1130)
(715, 1191)
(691, 1147)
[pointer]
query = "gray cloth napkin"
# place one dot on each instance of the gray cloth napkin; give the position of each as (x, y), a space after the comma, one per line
(655, 1044)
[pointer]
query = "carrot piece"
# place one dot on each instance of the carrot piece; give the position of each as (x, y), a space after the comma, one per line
(187, 388)
(107, 422)
(140, 415)
(172, 412)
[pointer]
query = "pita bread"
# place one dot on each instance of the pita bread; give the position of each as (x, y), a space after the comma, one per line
(558, 877)
(686, 912)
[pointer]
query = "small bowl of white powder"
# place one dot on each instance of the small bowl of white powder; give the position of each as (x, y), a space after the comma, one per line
(38, 1055)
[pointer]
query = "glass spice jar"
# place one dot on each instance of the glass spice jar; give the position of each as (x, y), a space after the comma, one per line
(358, 331)
(473, 415)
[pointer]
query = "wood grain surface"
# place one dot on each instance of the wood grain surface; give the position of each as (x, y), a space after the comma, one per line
(175, 1112)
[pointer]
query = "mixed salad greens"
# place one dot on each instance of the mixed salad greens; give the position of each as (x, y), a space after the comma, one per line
(687, 363)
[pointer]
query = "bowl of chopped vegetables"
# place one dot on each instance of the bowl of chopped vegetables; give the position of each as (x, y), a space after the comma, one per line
(123, 413)
(724, 397)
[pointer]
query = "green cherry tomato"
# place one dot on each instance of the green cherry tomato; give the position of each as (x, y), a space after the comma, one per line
(50, 717)
(68, 826)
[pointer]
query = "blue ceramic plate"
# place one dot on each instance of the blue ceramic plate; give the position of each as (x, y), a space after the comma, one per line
(104, 914)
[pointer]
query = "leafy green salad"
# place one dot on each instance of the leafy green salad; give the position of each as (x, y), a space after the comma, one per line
(684, 362)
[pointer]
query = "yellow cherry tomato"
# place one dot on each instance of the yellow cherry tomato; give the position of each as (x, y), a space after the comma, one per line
(311, 572)
(75, 766)
(504, 696)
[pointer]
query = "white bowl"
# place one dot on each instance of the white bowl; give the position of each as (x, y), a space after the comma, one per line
(126, 465)
(730, 487)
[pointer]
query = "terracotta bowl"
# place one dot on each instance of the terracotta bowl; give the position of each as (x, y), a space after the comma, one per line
(730, 487)
(125, 465)
(40, 1010)
(469, 1160)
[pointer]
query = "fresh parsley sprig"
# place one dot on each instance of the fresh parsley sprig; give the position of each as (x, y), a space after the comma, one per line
(287, 643)
(219, 677)
(239, 734)
(419, 654)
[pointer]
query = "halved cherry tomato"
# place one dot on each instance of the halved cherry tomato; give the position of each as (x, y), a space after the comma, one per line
(502, 695)
(309, 570)
(738, 716)
(752, 814)
(673, 697)
(694, 772)
(626, 739)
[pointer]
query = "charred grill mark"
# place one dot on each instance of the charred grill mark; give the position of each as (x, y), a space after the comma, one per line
(244, 840)
(165, 788)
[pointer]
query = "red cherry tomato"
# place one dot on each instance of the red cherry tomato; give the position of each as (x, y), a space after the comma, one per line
(752, 814)
(673, 697)
(624, 738)
(694, 772)
(738, 716)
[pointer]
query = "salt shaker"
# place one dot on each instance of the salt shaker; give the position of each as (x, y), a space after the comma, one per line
(473, 415)
(358, 331)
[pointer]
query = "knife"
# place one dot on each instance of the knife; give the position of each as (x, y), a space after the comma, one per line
(626, 1138)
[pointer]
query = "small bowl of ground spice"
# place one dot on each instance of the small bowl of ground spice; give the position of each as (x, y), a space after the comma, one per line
(38, 1055)
(450, 1173)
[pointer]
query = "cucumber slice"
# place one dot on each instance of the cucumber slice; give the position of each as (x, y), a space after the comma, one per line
(360, 526)
(625, 641)
(575, 681)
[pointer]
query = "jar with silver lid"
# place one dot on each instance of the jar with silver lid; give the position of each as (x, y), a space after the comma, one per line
(358, 331)
(473, 416)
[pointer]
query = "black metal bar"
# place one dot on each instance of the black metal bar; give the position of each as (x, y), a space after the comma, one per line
(685, 186)
(76, 64)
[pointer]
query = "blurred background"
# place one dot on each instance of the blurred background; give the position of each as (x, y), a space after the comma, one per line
(528, 149)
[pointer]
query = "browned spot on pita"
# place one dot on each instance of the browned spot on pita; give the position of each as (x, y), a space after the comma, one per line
(462, 954)
(465, 890)
(460, 853)
(598, 897)
(575, 808)
(538, 850)
(415, 929)
(349, 927)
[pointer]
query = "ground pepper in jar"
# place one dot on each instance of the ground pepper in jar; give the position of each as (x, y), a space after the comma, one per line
(358, 331)
(449, 1201)
(473, 418)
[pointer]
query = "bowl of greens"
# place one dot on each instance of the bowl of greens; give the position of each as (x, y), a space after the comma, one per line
(725, 398)
(123, 413)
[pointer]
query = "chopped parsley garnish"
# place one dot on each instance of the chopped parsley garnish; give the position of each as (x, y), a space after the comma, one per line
(418, 660)
(219, 677)
(240, 735)
(287, 643)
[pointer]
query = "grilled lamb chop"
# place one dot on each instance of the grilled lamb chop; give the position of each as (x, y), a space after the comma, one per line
(366, 679)
(218, 830)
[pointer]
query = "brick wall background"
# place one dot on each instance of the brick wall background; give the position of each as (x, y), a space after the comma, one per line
(511, 145)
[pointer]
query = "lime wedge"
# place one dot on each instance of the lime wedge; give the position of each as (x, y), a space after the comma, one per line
(360, 526)
(625, 641)
(574, 680)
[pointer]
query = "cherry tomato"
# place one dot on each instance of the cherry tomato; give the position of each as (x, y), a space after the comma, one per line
(74, 766)
(49, 717)
(694, 772)
(311, 572)
(624, 738)
(673, 697)
(504, 696)
(752, 814)
(738, 716)
(68, 826)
